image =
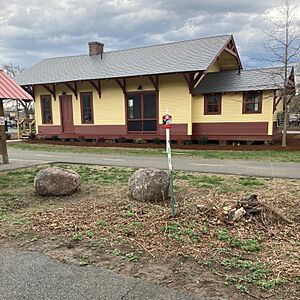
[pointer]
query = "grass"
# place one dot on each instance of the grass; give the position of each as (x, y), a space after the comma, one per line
(108, 227)
(262, 155)
(231, 184)
(107, 176)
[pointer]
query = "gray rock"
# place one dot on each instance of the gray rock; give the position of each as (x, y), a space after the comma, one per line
(56, 182)
(149, 185)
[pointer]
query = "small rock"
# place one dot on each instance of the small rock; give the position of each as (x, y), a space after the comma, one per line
(238, 214)
(149, 185)
(56, 182)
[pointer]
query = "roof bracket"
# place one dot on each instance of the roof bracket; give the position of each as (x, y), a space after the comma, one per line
(197, 78)
(52, 90)
(73, 89)
(122, 85)
(96, 85)
(189, 78)
(154, 81)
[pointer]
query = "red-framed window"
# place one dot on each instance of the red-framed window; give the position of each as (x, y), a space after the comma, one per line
(46, 109)
(142, 112)
(87, 109)
(252, 102)
(212, 104)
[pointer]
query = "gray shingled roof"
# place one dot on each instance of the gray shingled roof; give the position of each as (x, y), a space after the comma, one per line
(192, 55)
(245, 80)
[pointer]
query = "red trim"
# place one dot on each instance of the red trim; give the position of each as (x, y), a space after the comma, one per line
(256, 93)
(206, 112)
(229, 129)
(50, 130)
(42, 100)
(178, 132)
(82, 94)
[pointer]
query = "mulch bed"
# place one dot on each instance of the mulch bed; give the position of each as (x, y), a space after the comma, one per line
(293, 145)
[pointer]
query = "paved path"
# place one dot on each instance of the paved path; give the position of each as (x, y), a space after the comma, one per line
(23, 158)
(34, 276)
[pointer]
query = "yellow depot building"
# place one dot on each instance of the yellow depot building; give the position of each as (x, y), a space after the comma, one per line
(124, 94)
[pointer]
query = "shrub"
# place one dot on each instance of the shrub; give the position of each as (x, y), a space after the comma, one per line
(203, 140)
(54, 138)
(32, 136)
(156, 141)
(139, 141)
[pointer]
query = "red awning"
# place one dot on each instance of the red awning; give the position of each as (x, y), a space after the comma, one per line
(9, 89)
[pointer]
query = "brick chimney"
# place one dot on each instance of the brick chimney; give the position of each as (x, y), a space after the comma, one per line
(95, 48)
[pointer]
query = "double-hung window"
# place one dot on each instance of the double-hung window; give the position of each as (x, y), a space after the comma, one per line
(212, 104)
(46, 108)
(252, 103)
(87, 114)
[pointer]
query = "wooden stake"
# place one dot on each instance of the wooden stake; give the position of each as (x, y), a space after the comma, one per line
(3, 146)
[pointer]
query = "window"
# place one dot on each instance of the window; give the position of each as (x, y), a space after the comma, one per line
(252, 103)
(141, 112)
(212, 104)
(86, 101)
(46, 108)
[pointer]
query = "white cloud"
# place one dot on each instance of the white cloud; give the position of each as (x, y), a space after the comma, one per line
(34, 29)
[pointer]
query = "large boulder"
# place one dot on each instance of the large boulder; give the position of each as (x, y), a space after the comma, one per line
(149, 185)
(56, 182)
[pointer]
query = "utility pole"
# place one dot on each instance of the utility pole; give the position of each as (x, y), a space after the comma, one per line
(3, 146)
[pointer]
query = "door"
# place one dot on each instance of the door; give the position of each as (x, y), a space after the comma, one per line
(66, 114)
(142, 113)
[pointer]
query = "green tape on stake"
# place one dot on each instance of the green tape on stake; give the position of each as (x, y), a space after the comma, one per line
(172, 195)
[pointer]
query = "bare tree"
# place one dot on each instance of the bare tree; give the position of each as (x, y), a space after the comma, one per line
(13, 71)
(284, 46)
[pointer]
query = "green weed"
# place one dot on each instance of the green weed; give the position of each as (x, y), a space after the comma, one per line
(78, 237)
(83, 260)
(116, 252)
(250, 245)
(177, 231)
(101, 223)
(132, 257)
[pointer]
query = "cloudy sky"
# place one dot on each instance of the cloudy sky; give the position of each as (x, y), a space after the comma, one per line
(31, 30)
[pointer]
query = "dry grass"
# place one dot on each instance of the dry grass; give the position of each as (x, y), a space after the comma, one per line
(197, 250)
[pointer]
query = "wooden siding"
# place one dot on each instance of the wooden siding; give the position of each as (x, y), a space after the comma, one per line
(112, 132)
(214, 68)
(187, 111)
(232, 110)
(232, 130)
(174, 95)
(110, 108)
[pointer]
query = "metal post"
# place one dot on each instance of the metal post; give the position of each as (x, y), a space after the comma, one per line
(3, 137)
(170, 164)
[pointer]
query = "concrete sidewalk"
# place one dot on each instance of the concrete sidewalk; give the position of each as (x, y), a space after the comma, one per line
(26, 158)
(33, 276)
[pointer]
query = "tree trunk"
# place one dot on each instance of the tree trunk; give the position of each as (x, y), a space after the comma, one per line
(3, 146)
(285, 123)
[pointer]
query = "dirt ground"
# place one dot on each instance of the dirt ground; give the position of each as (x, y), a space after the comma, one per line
(200, 250)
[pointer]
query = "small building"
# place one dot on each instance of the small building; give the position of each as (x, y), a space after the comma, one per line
(124, 94)
(9, 90)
